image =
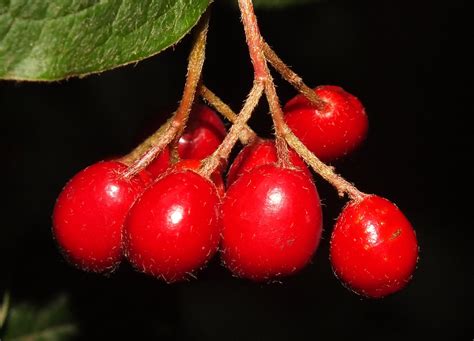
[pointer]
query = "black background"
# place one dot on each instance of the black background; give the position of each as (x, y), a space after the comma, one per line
(407, 62)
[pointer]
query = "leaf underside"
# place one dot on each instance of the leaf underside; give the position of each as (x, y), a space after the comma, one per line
(56, 39)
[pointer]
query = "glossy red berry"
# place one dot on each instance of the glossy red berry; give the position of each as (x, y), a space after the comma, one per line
(90, 212)
(194, 165)
(160, 164)
(272, 223)
(332, 131)
(203, 134)
(174, 228)
(260, 152)
(373, 247)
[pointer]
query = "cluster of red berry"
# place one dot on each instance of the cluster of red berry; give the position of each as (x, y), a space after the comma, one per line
(169, 220)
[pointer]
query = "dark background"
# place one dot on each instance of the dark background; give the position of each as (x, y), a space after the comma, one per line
(407, 62)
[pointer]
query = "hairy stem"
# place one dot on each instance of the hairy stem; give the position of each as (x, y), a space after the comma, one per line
(143, 155)
(143, 147)
(326, 172)
(284, 135)
(291, 77)
(224, 149)
(247, 135)
(261, 72)
(254, 40)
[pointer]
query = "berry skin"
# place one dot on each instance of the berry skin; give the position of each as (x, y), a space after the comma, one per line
(333, 131)
(373, 247)
(204, 133)
(194, 165)
(259, 153)
(160, 164)
(272, 223)
(202, 136)
(174, 228)
(89, 214)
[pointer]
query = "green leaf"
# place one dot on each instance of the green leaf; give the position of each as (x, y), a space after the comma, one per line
(56, 39)
(30, 323)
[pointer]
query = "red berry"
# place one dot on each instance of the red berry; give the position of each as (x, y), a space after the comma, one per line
(174, 228)
(194, 165)
(260, 152)
(89, 214)
(333, 131)
(272, 223)
(204, 133)
(202, 136)
(160, 164)
(373, 247)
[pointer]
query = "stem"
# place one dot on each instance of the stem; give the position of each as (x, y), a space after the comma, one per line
(291, 77)
(145, 145)
(224, 149)
(195, 65)
(284, 134)
(326, 172)
(254, 40)
(278, 122)
(140, 159)
(255, 43)
(247, 135)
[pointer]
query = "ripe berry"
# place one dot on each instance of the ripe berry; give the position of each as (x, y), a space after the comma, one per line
(204, 133)
(89, 214)
(332, 131)
(174, 228)
(194, 165)
(259, 153)
(272, 223)
(160, 164)
(373, 247)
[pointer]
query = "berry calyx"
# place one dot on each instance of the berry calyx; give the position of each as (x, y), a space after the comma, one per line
(272, 223)
(90, 212)
(174, 228)
(203, 134)
(332, 130)
(259, 153)
(373, 247)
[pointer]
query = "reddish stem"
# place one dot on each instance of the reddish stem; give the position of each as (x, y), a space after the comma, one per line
(140, 159)
(284, 134)
(224, 149)
(261, 73)
(254, 39)
(291, 77)
(247, 135)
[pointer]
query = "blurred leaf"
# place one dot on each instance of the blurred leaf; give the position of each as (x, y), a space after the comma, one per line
(56, 39)
(4, 308)
(29, 323)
